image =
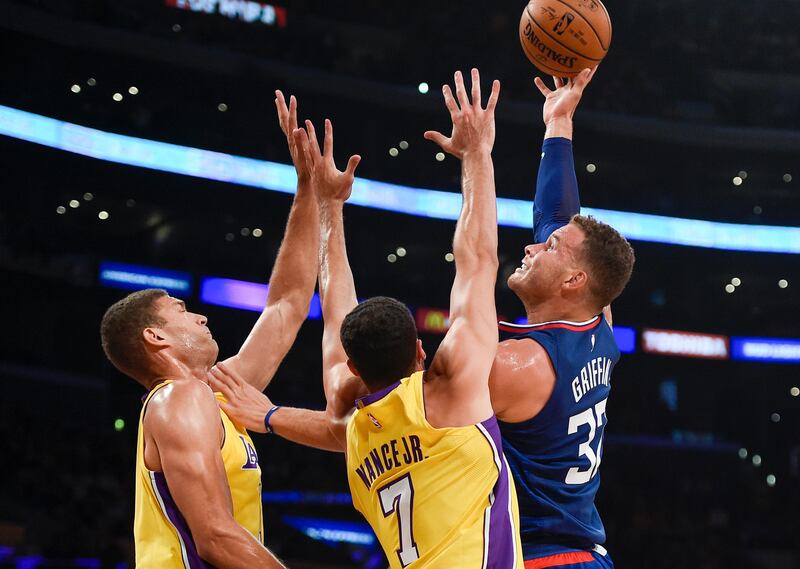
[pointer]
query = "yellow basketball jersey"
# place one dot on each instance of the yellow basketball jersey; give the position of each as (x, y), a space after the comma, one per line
(436, 498)
(161, 534)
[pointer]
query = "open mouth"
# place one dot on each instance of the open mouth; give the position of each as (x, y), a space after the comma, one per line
(523, 268)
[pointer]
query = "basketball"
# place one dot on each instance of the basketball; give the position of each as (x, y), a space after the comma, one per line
(563, 37)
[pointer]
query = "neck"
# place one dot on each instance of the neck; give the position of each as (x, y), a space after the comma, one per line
(169, 367)
(557, 309)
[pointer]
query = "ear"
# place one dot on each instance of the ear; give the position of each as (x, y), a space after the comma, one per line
(154, 337)
(352, 368)
(421, 355)
(577, 280)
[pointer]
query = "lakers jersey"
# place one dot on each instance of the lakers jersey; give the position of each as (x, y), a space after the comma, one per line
(436, 498)
(161, 534)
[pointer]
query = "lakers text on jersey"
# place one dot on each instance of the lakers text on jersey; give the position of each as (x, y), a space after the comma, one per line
(161, 534)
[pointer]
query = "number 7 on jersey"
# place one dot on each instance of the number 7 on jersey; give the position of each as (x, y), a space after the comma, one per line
(397, 497)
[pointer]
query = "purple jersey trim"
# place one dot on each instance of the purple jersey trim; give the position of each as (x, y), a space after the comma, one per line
(501, 549)
(377, 395)
(191, 559)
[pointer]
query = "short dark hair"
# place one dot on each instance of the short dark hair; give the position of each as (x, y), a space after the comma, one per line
(380, 338)
(121, 330)
(609, 257)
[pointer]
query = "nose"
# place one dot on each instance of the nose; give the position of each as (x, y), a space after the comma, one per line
(530, 250)
(202, 320)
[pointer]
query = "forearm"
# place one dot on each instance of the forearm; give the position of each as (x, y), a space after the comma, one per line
(305, 427)
(292, 277)
(476, 230)
(336, 286)
(233, 547)
(290, 289)
(557, 198)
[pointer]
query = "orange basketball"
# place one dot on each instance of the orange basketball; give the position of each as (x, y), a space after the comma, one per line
(564, 37)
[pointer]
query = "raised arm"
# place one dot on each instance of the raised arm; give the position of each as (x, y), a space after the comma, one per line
(324, 430)
(336, 287)
(462, 363)
(184, 423)
(294, 275)
(557, 198)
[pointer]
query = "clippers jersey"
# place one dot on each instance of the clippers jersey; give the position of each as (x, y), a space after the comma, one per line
(555, 456)
(161, 534)
(436, 498)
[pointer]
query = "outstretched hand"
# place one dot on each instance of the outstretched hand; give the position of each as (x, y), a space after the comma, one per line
(244, 403)
(330, 183)
(562, 102)
(473, 126)
(287, 119)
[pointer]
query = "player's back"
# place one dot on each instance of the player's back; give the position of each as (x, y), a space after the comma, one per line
(555, 456)
(435, 497)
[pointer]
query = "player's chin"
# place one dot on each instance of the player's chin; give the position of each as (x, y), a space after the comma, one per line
(514, 280)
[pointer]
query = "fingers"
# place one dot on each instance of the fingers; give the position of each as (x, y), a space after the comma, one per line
(461, 91)
(292, 124)
(222, 381)
(582, 79)
(449, 101)
(543, 89)
(476, 88)
(283, 111)
(351, 165)
(438, 138)
(559, 82)
(328, 143)
(313, 143)
(300, 138)
(493, 96)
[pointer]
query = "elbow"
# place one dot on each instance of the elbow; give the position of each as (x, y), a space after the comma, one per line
(215, 539)
(210, 545)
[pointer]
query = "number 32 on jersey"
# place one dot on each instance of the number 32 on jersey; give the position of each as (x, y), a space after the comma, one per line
(593, 417)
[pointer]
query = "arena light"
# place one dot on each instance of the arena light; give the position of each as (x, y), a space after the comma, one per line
(243, 10)
(137, 277)
(245, 295)
(371, 193)
(626, 339)
(687, 344)
(784, 350)
(332, 531)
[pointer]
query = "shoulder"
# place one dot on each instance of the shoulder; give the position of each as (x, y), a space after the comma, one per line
(522, 378)
(524, 354)
(181, 399)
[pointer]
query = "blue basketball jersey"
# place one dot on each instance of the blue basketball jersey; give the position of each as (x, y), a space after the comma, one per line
(555, 456)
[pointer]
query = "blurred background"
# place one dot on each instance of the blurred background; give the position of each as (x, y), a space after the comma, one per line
(695, 114)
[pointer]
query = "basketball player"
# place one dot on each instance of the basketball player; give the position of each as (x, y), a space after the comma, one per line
(198, 481)
(550, 384)
(424, 460)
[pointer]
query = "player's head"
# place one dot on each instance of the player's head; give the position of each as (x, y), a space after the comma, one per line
(147, 328)
(585, 261)
(380, 339)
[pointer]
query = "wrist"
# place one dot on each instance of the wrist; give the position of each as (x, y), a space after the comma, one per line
(269, 427)
(559, 127)
(330, 204)
(480, 152)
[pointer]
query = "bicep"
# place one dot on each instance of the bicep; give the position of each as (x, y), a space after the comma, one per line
(189, 449)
